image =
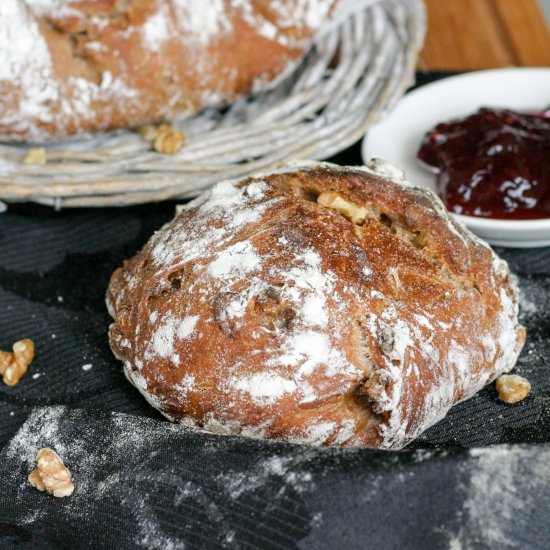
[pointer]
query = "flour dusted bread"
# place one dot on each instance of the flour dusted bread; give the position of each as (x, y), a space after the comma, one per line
(335, 306)
(72, 67)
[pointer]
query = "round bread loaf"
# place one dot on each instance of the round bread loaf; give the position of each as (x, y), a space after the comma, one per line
(335, 306)
(72, 67)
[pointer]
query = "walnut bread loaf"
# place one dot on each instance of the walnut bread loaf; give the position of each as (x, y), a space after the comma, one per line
(77, 66)
(328, 305)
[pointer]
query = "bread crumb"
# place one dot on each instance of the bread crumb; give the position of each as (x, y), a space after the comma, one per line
(36, 155)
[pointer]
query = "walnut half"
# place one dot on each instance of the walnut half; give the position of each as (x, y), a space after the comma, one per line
(512, 388)
(14, 365)
(51, 475)
(165, 138)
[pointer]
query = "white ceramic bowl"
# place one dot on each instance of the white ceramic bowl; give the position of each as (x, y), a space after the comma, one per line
(398, 136)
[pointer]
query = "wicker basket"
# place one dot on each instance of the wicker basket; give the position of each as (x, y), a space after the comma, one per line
(322, 107)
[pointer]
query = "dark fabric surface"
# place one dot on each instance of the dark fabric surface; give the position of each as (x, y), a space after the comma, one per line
(145, 483)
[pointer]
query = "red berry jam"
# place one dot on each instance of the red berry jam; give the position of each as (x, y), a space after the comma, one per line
(495, 164)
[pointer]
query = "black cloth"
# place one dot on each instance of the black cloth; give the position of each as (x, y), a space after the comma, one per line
(142, 482)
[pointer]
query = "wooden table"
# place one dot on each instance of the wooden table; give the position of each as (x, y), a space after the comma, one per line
(480, 34)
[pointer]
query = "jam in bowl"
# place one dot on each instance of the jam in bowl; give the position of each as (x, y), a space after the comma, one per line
(494, 163)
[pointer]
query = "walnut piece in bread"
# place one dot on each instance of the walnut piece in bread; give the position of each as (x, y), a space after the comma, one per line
(73, 66)
(329, 305)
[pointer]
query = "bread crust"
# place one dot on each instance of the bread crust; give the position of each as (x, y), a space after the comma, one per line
(259, 311)
(77, 67)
